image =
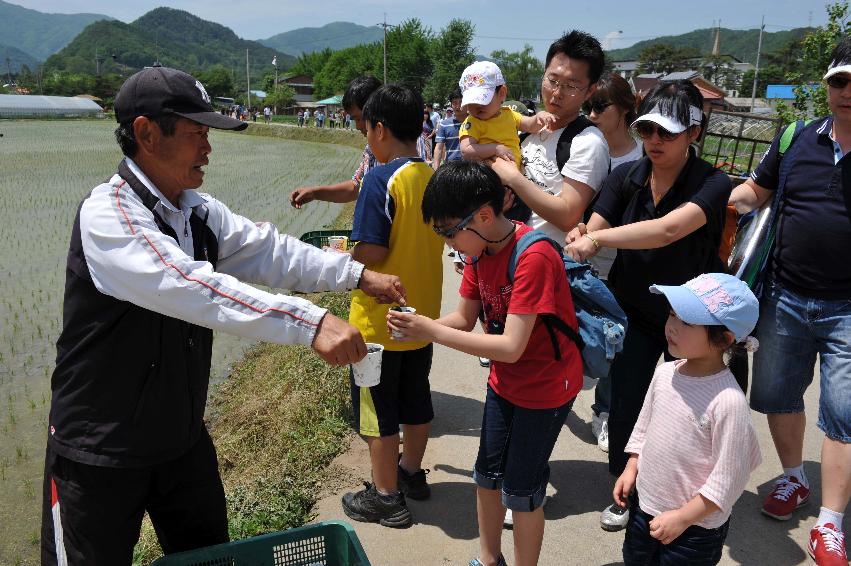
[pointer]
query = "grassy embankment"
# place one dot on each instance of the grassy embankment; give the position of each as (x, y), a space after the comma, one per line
(281, 416)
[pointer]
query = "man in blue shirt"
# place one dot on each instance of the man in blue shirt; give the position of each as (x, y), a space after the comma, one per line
(806, 309)
(447, 146)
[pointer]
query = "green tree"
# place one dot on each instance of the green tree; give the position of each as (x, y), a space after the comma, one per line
(770, 75)
(343, 66)
(218, 81)
(450, 52)
(522, 71)
(280, 97)
(311, 64)
(664, 58)
(816, 46)
(408, 61)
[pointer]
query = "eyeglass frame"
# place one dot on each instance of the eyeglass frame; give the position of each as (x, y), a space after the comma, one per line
(597, 108)
(842, 77)
(557, 86)
(453, 231)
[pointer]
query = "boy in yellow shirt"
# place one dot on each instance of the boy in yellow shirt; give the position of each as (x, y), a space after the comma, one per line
(390, 232)
(490, 130)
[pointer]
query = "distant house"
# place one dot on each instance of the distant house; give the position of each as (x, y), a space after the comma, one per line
(760, 105)
(642, 84)
(302, 85)
(626, 69)
(713, 96)
(780, 92)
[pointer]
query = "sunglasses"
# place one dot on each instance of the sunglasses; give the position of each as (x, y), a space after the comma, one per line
(645, 131)
(595, 107)
(838, 81)
(449, 233)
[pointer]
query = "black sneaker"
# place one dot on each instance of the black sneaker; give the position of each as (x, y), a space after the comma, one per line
(413, 485)
(369, 506)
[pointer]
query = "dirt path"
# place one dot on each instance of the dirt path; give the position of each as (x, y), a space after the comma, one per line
(445, 529)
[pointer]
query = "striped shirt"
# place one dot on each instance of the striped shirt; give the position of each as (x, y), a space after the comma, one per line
(694, 436)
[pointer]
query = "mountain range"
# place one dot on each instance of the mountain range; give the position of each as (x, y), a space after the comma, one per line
(336, 35)
(175, 38)
(741, 44)
(37, 34)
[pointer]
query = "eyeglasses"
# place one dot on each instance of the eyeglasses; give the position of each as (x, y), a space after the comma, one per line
(558, 86)
(645, 131)
(449, 233)
(595, 107)
(838, 81)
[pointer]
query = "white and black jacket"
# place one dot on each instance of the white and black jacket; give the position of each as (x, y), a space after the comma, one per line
(146, 284)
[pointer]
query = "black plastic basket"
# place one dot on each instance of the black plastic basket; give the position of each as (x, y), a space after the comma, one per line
(329, 543)
(319, 238)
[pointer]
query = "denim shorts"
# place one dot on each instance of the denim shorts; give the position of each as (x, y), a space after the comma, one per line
(696, 546)
(792, 330)
(515, 448)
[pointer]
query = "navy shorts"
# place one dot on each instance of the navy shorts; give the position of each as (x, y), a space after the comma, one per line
(515, 448)
(403, 396)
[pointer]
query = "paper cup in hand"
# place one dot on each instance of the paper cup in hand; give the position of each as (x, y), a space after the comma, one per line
(395, 334)
(367, 372)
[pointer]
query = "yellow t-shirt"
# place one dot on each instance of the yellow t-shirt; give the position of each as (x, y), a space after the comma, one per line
(388, 213)
(501, 129)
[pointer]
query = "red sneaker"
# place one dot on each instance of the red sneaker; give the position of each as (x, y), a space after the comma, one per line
(827, 546)
(788, 494)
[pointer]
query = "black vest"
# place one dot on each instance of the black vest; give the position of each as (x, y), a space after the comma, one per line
(130, 385)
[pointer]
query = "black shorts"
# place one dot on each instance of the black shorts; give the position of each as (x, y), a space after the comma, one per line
(93, 514)
(402, 397)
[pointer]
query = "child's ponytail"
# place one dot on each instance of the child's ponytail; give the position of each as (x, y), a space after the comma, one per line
(735, 353)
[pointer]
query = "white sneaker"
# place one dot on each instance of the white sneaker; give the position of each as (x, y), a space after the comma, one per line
(614, 518)
(508, 521)
(603, 437)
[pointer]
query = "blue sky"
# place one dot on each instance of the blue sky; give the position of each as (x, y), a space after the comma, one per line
(500, 24)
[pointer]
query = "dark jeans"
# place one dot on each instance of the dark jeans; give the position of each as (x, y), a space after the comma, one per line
(631, 374)
(697, 546)
(515, 448)
(97, 511)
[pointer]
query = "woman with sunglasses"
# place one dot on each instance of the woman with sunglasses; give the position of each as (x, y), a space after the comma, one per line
(612, 108)
(665, 215)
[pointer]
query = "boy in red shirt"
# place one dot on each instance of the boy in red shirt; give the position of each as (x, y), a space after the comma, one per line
(529, 392)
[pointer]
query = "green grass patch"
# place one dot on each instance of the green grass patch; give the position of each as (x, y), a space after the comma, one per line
(350, 138)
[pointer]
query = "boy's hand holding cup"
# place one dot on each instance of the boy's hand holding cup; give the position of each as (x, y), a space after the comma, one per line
(405, 324)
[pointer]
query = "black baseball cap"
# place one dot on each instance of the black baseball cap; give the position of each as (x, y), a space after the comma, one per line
(154, 91)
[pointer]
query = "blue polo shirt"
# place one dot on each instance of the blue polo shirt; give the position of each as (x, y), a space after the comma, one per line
(447, 134)
(814, 231)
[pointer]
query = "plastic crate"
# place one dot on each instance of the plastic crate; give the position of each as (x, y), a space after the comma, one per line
(319, 238)
(329, 543)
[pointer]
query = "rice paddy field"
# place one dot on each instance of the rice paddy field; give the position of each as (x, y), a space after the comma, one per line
(46, 168)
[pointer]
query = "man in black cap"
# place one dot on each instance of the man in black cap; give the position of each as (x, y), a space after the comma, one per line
(153, 268)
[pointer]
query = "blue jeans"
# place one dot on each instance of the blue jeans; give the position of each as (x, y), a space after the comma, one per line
(515, 448)
(792, 330)
(697, 546)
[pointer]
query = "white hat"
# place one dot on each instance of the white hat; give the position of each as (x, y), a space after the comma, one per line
(479, 81)
(671, 123)
(837, 67)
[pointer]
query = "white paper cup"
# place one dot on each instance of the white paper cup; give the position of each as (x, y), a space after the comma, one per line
(367, 372)
(395, 334)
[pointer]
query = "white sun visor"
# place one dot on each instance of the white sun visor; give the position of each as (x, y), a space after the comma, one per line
(670, 123)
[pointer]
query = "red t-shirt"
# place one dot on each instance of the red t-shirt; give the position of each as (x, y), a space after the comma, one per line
(537, 380)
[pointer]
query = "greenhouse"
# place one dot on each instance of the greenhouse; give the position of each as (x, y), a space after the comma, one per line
(32, 106)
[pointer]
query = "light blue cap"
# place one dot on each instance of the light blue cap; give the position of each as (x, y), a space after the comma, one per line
(714, 299)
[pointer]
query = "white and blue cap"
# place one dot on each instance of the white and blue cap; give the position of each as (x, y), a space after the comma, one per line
(714, 299)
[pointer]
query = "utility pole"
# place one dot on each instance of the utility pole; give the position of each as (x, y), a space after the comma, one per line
(385, 25)
(98, 61)
(756, 69)
(247, 80)
(9, 70)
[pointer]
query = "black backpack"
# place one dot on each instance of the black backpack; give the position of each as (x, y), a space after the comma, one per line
(520, 211)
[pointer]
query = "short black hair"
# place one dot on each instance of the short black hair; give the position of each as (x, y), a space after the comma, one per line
(359, 91)
(842, 52)
(458, 188)
(674, 99)
(456, 94)
(126, 138)
(399, 108)
(582, 46)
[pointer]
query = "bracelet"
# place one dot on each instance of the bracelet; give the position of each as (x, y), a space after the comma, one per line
(593, 239)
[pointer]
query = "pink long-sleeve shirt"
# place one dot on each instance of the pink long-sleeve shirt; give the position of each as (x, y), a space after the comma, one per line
(694, 436)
